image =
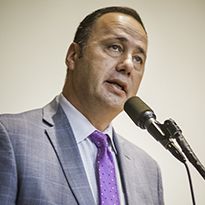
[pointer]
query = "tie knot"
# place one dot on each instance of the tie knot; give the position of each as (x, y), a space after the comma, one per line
(99, 139)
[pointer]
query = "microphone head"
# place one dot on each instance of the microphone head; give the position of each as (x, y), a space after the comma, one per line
(138, 111)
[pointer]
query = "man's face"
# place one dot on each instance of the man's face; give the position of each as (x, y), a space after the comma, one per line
(112, 63)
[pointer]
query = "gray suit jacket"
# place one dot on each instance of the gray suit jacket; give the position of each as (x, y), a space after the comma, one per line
(40, 163)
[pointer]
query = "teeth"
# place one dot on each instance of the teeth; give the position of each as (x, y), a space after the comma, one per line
(117, 85)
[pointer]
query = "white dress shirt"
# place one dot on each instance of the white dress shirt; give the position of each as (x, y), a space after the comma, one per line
(82, 128)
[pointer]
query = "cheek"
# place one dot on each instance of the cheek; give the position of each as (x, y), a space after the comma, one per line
(103, 60)
(102, 67)
(136, 81)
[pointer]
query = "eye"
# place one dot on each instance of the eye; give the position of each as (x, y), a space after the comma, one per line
(115, 48)
(138, 59)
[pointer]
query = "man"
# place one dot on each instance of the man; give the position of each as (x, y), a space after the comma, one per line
(47, 156)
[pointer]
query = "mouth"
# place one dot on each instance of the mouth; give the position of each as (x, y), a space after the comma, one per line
(118, 85)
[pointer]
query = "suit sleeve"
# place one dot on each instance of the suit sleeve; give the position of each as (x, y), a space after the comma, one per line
(8, 173)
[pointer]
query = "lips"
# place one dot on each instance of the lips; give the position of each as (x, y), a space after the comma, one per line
(120, 85)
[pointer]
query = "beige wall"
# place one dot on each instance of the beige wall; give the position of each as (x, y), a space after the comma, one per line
(34, 37)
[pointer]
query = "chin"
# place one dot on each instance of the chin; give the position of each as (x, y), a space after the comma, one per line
(117, 106)
(113, 102)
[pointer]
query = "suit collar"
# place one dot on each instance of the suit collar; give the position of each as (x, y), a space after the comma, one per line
(60, 135)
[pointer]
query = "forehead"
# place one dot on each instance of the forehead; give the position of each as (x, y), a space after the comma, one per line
(119, 23)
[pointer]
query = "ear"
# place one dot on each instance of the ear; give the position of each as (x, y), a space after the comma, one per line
(72, 55)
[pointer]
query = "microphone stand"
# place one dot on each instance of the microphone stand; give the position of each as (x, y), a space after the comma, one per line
(167, 133)
(173, 131)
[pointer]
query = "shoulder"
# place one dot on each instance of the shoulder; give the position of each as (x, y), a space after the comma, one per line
(25, 120)
(13, 121)
(25, 128)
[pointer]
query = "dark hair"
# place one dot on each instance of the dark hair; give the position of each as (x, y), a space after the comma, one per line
(85, 27)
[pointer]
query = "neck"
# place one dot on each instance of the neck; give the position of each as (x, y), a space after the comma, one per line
(99, 118)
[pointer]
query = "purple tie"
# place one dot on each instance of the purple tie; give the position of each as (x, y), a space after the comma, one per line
(106, 178)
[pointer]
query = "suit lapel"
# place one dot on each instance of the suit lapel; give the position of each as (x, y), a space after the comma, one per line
(131, 173)
(62, 139)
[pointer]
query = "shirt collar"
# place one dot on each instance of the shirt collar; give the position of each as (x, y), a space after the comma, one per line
(80, 125)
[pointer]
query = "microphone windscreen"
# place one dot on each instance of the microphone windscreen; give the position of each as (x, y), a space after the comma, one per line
(135, 108)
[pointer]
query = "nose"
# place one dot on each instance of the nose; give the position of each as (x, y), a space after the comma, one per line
(125, 65)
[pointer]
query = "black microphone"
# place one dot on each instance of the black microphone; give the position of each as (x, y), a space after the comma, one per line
(144, 117)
